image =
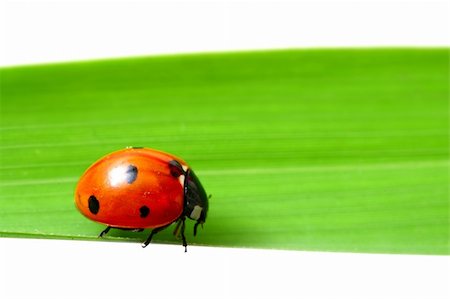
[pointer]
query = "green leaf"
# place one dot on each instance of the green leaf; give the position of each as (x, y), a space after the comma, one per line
(335, 150)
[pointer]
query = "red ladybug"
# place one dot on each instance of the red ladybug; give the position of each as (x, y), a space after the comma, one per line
(138, 188)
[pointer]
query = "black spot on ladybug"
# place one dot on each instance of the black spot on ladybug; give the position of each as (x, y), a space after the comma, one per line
(131, 173)
(144, 211)
(94, 205)
(175, 168)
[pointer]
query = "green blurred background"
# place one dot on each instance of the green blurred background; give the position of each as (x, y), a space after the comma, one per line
(331, 150)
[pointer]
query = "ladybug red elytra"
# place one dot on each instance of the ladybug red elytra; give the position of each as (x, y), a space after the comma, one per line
(139, 188)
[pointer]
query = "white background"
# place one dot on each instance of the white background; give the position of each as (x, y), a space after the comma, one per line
(50, 31)
(42, 31)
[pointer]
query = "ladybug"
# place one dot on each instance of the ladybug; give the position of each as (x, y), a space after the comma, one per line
(139, 188)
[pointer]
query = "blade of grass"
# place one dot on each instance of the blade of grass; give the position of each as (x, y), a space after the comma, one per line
(336, 150)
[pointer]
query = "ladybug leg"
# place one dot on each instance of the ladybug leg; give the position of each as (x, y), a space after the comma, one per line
(179, 231)
(104, 232)
(154, 231)
(183, 237)
(195, 228)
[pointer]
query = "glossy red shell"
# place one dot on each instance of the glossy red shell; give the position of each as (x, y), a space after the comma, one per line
(120, 201)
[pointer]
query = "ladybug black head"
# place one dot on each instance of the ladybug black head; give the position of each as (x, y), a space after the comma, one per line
(195, 199)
